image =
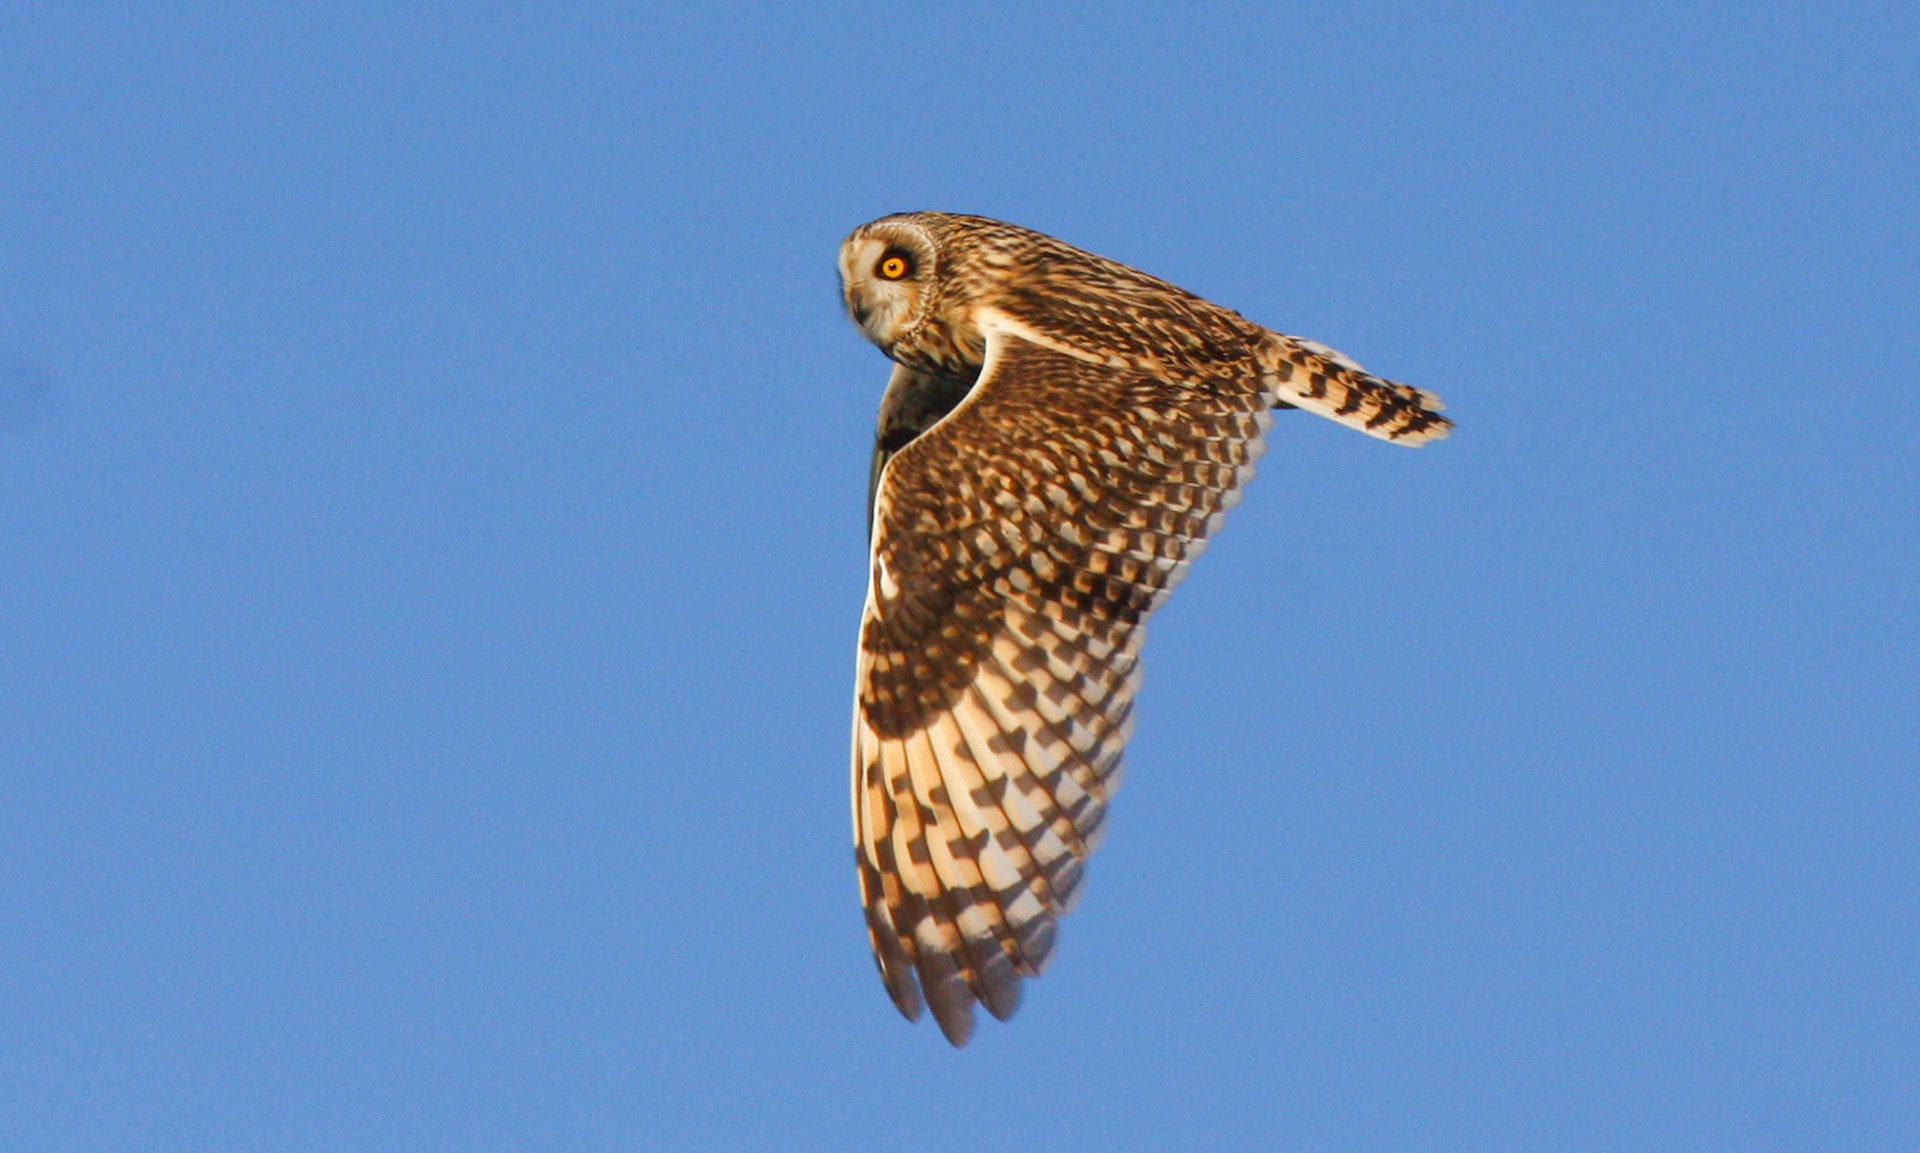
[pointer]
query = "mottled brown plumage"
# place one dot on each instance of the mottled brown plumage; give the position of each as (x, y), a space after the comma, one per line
(1060, 436)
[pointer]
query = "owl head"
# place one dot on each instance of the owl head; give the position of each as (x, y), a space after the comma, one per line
(903, 281)
(888, 273)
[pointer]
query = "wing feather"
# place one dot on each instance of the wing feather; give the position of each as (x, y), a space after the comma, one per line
(970, 857)
(1019, 545)
(882, 890)
(927, 906)
(1029, 841)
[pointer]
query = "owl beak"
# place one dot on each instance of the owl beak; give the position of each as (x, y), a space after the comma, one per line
(857, 305)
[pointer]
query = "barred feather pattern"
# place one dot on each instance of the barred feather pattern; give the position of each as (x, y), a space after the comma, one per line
(1019, 546)
(1314, 378)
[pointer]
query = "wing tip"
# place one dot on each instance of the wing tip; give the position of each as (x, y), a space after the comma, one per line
(948, 996)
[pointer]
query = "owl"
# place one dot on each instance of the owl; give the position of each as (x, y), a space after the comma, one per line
(1059, 437)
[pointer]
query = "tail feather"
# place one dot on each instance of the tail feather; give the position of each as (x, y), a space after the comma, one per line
(1308, 375)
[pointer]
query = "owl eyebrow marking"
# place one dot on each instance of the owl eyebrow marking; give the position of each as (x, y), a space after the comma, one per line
(1060, 437)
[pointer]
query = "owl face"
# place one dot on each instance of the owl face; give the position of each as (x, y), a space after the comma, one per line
(887, 273)
(915, 284)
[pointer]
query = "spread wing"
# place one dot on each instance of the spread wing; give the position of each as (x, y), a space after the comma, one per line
(1019, 545)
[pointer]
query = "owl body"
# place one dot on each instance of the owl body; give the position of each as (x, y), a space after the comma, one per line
(1060, 436)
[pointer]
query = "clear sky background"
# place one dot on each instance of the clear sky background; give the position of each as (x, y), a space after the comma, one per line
(432, 467)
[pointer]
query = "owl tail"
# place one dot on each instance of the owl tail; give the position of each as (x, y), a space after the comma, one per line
(1308, 375)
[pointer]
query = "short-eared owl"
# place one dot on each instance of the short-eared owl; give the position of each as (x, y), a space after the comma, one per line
(1060, 436)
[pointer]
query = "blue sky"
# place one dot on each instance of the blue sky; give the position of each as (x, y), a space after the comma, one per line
(432, 464)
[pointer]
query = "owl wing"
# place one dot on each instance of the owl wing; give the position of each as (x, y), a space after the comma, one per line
(1019, 545)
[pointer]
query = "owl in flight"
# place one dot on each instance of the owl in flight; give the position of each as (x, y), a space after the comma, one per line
(1060, 435)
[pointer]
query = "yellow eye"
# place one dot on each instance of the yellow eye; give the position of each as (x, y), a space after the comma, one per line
(893, 266)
